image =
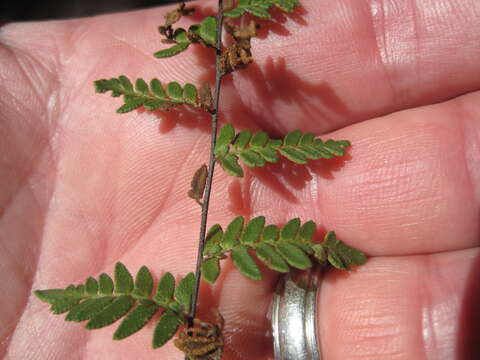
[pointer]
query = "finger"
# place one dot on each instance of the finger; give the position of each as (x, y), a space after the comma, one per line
(415, 307)
(357, 60)
(409, 186)
(364, 314)
(361, 59)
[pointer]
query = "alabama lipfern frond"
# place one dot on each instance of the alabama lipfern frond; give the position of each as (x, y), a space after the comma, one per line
(153, 96)
(278, 249)
(256, 149)
(104, 301)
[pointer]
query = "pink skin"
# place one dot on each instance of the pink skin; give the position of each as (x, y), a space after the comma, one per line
(82, 187)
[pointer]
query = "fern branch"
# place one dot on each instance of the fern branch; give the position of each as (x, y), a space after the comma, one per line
(279, 249)
(151, 96)
(256, 149)
(212, 160)
(104, 301)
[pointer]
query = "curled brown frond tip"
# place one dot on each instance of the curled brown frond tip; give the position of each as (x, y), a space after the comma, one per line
(203, 340)
(171, 18)
(197, 186)
(239, 54)
(205, 95)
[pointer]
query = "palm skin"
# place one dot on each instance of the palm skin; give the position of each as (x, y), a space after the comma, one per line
(82, 187)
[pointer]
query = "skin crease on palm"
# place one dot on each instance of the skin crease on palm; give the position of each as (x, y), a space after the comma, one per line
(83, 187)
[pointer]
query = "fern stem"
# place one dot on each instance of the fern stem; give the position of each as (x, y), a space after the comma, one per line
(211, 165)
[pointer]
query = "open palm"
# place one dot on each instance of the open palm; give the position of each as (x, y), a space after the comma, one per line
(82, 187)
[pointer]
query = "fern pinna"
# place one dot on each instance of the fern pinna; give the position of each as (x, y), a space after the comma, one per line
(103, 301)
(279, 249)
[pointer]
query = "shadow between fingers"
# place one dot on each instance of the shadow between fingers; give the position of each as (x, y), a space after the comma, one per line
(284, 178)
(468, 347)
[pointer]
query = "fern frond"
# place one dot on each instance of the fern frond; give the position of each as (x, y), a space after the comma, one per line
(260, 8)
(256, 149)
(151, 96)
(279, 249)
(105, 301)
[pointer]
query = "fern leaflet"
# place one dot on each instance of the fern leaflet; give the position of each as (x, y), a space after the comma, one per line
(151, 96)
(279, 249)
(256, 149)
(105, 301)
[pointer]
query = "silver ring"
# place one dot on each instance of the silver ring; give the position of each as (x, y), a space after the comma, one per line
(294, 315)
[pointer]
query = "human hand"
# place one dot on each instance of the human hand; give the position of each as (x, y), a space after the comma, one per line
(82, 187)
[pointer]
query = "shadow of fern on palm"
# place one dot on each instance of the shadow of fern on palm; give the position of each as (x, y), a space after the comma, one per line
(240, 200)
(284, 178)
(277, 87)
(277, 24)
